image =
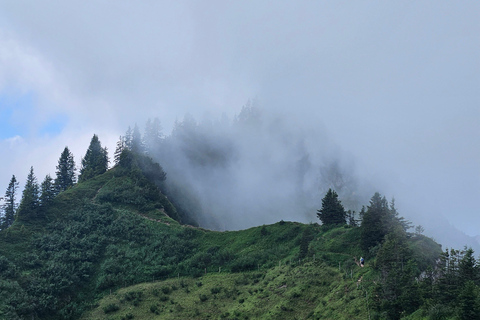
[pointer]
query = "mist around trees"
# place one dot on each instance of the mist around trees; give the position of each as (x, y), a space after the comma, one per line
(231, 171)
(253, 169)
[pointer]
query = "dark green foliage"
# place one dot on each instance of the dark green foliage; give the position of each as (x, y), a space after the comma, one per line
(469, 301)
(30, 198)
(373, 230)
(378, 220)
(307, 236)
(397, 292)
(216, 290)
(263, 231)
(47, 192)
(111, 308)
(467, 269)
(65, 174)
(10, 205)
(351, 218)
(154, 309)
(95, 161)
(332, 212)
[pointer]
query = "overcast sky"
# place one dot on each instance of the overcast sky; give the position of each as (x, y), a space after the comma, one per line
(394, 84)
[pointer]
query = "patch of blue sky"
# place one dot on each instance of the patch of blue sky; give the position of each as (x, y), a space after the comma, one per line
(15, 110)
(18, 117)
(54, 126)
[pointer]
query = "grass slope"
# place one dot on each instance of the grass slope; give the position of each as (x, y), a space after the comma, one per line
(108, 241)
(310, 290)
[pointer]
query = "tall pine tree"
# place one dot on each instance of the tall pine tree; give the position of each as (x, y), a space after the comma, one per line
(10, 205)
(121, 145)
(137, 143)
(373, 223)
(30, 198)
(153, 137)
(332, 211)
(47, 192)
(95, 161)
(65, 174)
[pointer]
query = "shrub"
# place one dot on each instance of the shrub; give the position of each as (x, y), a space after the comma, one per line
(163, 298)
(112, 307)
(166, 290)
(215, 290)
(154, 309)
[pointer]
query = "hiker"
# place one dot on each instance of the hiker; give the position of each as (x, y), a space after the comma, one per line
(362, 262)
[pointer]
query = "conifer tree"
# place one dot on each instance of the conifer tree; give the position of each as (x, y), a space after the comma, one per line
(95, 161)
(393, 219)
(128, 138)
(332, 211)
(351, 218)
(373, 228)
(10, 205)
(65, 174)
(121, 145)
(153, 136)
(47, 192)
(137, 143)
(468, 301)
(30, 198)
(467, 268)
(361, 214)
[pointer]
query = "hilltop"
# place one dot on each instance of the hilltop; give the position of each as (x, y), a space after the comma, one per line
(113, 246)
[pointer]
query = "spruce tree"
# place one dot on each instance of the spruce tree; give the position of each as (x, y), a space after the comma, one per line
(373, 223)
(95, 161)
(351, 218)
(137, 143)
(467, 268)
(30, 198)
(332, 211)
(121, 145)
(153, 136)
(65, 174)
(10, 205)
(468, 301)
(128, 138)
(47, 192)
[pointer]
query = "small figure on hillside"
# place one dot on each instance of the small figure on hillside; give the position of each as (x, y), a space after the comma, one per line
(362, 262)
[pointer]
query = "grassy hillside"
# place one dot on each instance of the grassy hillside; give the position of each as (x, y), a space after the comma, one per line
(309, 290)
(111, 248)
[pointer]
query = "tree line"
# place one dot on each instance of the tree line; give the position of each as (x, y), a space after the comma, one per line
(37, 197)
(442, 286)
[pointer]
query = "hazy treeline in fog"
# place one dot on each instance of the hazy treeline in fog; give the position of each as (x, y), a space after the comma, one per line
(254, 169)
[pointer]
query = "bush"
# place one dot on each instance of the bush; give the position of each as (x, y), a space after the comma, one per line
(154, 309)
(112, 307)
(216, 290)
(128, 316)
(166, 290)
